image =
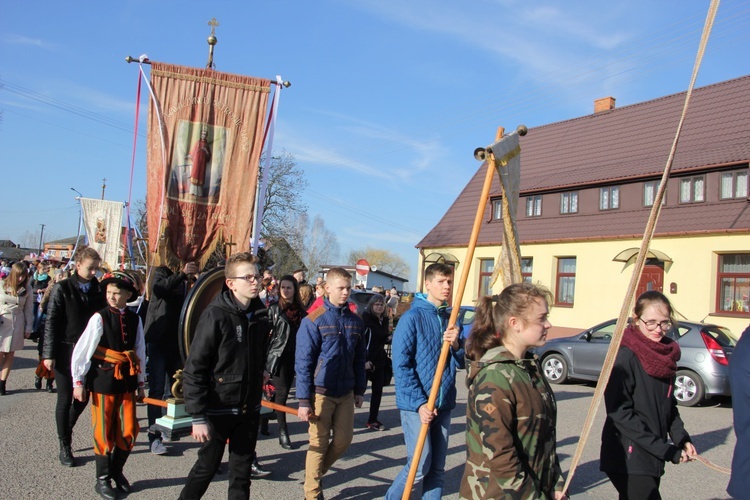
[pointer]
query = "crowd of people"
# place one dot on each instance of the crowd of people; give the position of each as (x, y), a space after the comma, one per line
(104, 339)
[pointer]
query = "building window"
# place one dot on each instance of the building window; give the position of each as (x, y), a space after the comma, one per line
(693, 189)
(534, 206)
(566, 281)
(649, 194)
(609, 198)
(497, 209)
(486, 266)
(733, 185)
(734, 283)
(527, 265)
(569, 202)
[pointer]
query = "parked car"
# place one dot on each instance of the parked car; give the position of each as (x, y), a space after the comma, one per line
(465, 318)
(361, 298)
(702, 371)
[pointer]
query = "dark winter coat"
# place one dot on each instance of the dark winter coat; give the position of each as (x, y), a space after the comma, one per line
(68, 313)
(330, 355)
(377, 335)
(283, 342)
(641, 415)
(223, 373)
(165, 305)
(739, 378)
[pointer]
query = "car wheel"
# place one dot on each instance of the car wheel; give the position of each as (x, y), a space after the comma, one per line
(688, 388)
(555, 368)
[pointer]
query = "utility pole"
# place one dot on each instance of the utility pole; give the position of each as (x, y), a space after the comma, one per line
(41, 238)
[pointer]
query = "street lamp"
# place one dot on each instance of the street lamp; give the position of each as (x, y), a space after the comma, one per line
(77, 192)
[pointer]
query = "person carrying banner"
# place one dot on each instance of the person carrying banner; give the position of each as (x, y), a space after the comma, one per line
(511, 411)
(223, 379)
(331, 379)
(168, 294)
(71, 305)
(109, 361)
(739, 379)
(643, 428)
(417, 342)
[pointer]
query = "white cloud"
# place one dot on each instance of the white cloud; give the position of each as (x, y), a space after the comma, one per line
(14, 39)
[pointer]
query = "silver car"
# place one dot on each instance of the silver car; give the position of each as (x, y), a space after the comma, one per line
(702, 371)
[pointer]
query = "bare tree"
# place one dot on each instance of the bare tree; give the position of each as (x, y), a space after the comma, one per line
(385, 260)
(314, 243)
(283, 196)
(29, 239)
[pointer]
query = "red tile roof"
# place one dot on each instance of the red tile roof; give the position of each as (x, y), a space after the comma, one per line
(621, 145)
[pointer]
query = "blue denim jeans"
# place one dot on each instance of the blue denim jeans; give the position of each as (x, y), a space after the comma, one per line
(432, 462)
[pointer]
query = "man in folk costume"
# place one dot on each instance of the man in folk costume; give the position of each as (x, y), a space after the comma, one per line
(109, 360)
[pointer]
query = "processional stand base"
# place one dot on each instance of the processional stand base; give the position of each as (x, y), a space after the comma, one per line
(176, 423)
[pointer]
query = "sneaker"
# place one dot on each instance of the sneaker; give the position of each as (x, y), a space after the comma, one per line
(376, 426)
(158, 448)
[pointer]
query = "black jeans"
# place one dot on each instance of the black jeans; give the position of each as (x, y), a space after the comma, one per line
(242, 433)
(283, 382)
(378, 381)
(635, 487)
(161, 366)
(67, 410)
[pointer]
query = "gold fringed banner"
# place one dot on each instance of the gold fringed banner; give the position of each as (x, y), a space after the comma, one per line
(202, 186)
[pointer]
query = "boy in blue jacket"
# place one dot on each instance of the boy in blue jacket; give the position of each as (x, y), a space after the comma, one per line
(417, 343)
(331, 380)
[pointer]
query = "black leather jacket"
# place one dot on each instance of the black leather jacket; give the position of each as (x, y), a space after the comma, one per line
(68, 313)
(224, 370)
(283, 341)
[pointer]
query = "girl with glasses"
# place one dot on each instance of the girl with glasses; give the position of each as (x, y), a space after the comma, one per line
(643, 428)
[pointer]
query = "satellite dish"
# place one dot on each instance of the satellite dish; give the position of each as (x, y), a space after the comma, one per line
(373, 268)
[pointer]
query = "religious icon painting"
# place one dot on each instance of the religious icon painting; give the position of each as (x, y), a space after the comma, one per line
(198, 163)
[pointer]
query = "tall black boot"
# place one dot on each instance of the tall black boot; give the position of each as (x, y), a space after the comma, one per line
(103, 486)
(119, 457)
(284, 440)
(264, 426)
(2, 388)
(66, 453)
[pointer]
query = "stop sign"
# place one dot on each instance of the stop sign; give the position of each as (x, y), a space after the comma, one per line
(362, 267)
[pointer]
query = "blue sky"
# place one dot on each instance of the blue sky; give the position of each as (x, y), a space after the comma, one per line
(388, 98)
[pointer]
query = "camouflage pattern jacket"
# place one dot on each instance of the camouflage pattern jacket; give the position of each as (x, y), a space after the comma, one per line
(510, 433)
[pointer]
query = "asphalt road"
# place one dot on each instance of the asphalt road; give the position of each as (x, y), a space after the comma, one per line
(29, 467)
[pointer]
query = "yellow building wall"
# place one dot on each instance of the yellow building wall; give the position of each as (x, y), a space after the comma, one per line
(601, 283)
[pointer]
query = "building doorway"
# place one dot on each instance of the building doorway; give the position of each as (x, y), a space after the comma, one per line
(652, 277)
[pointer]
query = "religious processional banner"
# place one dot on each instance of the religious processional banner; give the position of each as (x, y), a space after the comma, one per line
(507, 153)
(204, 144)
(103, 223)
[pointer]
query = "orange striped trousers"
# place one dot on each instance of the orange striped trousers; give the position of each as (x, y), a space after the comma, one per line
(114, 422)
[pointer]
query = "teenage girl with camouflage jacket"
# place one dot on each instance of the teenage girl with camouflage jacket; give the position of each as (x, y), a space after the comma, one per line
(511, 411)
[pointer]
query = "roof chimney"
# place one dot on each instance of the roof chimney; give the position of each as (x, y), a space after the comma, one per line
(604, 104)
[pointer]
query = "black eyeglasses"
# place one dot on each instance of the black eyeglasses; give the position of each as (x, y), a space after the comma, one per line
(248, 278)
(652, 324)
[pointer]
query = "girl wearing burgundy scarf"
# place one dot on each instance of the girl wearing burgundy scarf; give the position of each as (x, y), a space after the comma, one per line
(286, 316)
(643, 428)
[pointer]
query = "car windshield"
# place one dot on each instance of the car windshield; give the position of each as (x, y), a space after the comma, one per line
(468, 317)
(723, 336)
